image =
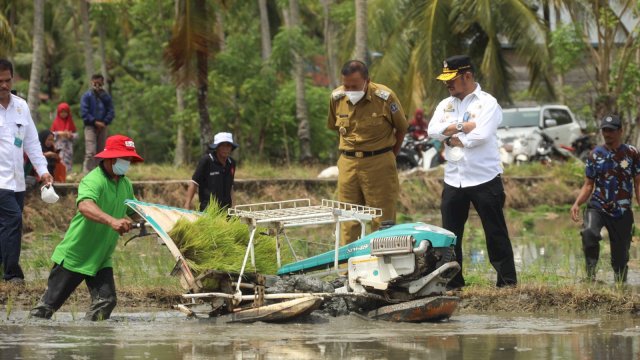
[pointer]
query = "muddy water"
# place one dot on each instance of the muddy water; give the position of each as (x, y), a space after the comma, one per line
(545, 244)
(465, 336)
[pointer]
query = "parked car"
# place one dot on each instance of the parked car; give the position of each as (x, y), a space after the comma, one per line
(520, 132)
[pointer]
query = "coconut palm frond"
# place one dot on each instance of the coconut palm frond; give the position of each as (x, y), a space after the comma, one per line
(7, 38)
(437, 41)
(191, 37)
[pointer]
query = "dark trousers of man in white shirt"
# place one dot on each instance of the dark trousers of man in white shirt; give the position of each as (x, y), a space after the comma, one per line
(11, 205)
(488, 200)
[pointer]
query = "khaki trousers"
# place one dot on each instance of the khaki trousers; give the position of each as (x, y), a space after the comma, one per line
(371, 181)
(94, 141)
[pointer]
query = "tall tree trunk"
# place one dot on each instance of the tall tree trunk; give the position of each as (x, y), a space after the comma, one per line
(206, 132)
(265, 30)
(86, 39)
(220, 30)
(180, 154)
(179, 157)
(37, 62)
(330, 44)
(103, 53)
(304, 129)
(265, 35)
(361, 31)
(202, 64)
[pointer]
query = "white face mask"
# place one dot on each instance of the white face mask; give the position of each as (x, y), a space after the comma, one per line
(355, 96)
(121, 166)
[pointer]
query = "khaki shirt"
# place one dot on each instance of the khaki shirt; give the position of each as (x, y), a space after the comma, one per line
(369, 125)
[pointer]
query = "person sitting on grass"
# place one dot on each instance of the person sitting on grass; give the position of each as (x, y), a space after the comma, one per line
(85, 252)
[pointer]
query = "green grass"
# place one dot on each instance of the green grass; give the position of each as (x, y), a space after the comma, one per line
(143, 263)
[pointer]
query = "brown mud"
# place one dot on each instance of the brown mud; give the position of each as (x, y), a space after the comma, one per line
(531, 299)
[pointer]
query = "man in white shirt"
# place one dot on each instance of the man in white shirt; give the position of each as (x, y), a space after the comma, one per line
(17, 135)
(467, 122)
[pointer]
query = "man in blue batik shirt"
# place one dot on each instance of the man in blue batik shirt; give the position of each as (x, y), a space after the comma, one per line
(612, 174)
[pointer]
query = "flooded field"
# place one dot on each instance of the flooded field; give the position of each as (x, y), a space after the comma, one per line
(466, 336)
(546, 245)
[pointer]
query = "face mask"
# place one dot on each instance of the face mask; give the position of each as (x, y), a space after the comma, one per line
(355, 96)
(48, 195)
(121, 166)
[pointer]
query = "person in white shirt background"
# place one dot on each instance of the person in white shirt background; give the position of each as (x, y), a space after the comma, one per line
(467, 122)
(18, 134)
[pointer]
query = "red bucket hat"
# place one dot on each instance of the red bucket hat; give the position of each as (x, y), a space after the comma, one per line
(119, 146)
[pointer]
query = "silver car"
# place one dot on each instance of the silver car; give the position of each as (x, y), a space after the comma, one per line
(521, 128)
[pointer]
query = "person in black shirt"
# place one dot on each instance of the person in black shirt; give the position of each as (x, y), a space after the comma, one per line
(214, 174)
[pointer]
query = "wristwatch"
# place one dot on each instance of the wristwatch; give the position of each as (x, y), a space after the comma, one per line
(459, 126)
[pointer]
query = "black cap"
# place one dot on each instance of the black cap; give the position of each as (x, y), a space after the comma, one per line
(453, 65)
(611, 122)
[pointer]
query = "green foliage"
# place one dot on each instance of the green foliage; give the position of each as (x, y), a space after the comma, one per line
(566, 47)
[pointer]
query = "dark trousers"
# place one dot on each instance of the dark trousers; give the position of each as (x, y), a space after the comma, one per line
(488, 200)
(620, 231)
(63, 282)
(11, 205)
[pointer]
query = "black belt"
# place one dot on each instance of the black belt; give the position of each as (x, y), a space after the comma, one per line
(364, 154)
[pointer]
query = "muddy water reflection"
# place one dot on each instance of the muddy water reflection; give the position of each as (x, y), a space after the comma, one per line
(467, 336)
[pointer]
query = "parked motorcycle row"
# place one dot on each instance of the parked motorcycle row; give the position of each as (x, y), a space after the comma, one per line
(425, 153)
(518, 150)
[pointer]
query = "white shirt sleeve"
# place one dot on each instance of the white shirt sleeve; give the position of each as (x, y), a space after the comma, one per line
(436, 125)
(487, 123)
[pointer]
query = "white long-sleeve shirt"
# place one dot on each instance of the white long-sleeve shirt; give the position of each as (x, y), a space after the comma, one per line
(17, 134)
(481, 160)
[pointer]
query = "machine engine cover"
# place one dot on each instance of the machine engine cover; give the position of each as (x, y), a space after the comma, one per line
(378, 271)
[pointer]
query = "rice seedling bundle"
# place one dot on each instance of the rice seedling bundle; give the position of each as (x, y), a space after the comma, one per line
(217, 243)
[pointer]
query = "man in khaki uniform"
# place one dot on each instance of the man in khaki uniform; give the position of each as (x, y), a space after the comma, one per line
(371, 125)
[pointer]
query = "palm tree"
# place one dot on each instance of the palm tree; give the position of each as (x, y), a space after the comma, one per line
(330, 43)
(188, 52)
(86, 38)
(37, 62)
(265, 32)
(7, 40)
(304, 128)
(436, 29)
(361, 31)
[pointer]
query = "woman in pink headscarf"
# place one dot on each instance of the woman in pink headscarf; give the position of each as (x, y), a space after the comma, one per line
(418, 125)
(65, 133)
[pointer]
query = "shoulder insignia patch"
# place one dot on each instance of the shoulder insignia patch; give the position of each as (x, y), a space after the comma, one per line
(393, 107)
(384, 95)
(338, 94)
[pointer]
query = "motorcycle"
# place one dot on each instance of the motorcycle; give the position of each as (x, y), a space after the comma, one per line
(422, 153)
(537, 146)
(582, 146)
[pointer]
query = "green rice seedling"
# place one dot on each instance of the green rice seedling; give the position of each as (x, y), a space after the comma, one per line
(219, 243)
